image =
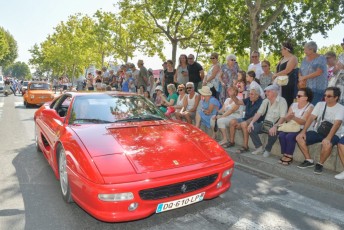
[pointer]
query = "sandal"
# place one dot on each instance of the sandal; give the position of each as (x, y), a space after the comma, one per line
(228, 144)
(242, 150)
(287, 162)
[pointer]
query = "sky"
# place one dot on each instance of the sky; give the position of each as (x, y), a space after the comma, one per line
(31, 21)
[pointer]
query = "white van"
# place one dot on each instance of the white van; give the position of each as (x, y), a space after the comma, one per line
(2, 84)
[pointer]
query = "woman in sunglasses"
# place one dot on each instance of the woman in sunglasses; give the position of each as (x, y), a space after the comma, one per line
(298, 112)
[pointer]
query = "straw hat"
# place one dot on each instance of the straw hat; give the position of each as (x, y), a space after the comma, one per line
(205, 91)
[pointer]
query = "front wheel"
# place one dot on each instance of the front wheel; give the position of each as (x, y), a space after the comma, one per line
(64, 183)
(36, 141)
(27, 105)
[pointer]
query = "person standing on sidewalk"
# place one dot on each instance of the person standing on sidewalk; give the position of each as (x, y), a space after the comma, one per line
(255, 65)
(143, 75)
(274, 108)
(196, 72)
(329, 111)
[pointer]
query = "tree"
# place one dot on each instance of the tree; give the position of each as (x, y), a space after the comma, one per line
(8, 48)
(176, 21)
(19, 70)
(253, 24)
(69, 50)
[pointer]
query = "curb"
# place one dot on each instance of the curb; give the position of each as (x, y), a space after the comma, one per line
(271, 166)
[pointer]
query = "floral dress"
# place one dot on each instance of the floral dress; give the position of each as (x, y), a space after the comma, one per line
(228, 77)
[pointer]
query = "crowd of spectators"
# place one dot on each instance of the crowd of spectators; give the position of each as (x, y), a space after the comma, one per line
(228, 98)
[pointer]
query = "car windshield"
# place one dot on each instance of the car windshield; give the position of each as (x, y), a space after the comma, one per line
(39, 86)
(103, 108)
(25, 83)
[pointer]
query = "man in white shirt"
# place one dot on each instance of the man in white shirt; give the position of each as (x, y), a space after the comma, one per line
(273, 108)
(330, 111)
(255, 64)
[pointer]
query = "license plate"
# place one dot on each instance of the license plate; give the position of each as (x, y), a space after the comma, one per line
(180, 203)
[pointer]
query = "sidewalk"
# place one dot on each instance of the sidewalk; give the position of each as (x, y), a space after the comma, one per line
(270, 165)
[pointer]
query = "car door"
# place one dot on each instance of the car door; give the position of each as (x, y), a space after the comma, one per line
(52, 125)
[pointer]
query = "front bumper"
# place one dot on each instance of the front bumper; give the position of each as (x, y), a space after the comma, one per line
(85, 193)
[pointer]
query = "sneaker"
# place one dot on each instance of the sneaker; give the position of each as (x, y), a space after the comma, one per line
(305, 164)
(340, 176)
(318, 168)
(266, 153)
(258, 151)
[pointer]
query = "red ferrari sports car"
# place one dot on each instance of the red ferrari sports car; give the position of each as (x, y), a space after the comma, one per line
(120, 159)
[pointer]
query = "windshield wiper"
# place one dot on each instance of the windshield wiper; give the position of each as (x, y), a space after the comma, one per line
(142, 118)
(92, 120)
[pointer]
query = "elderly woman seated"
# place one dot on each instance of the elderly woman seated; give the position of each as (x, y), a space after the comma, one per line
(228, 112)
(209, 107)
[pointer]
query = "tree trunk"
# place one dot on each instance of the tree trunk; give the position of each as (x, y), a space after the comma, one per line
(102, 59)
(174, 51)
(254, 40)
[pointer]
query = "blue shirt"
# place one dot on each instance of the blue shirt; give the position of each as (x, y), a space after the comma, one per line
(125, 85)
(307, 67)
(251, 109)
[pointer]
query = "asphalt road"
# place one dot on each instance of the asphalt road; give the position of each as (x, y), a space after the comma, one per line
(30, 197)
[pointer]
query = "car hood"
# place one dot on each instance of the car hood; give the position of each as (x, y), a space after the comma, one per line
(149, 147)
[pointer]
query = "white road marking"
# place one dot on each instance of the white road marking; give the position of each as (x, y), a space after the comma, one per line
(253, 213)
(18, 103)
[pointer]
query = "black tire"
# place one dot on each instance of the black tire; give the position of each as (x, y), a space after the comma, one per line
(27, 105)
(38, 149)
(64, 182)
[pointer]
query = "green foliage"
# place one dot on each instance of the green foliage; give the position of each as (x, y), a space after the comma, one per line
(177, 21)
(335, 48)
(20, 70)
(8, 48)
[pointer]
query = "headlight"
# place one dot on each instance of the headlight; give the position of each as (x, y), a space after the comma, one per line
(32, 96)
(116, 196)
(227, 172)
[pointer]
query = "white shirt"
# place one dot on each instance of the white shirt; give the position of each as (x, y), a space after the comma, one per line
(334, 113)
(257, 68)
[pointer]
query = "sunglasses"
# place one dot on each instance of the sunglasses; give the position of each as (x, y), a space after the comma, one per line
(254, 56)
(180, 89)
(263, 66)
(188, 87)
(298, 96)
(328, 96)
(232, 59)
(212, 58)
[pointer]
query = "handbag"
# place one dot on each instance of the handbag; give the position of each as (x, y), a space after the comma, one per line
(266, 125)
(325, 126)
(282, 80)
(290, 127)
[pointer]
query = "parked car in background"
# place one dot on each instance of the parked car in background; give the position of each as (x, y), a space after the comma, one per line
(24, 87)
(37, 93)
(120, 158)
(2, 84)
